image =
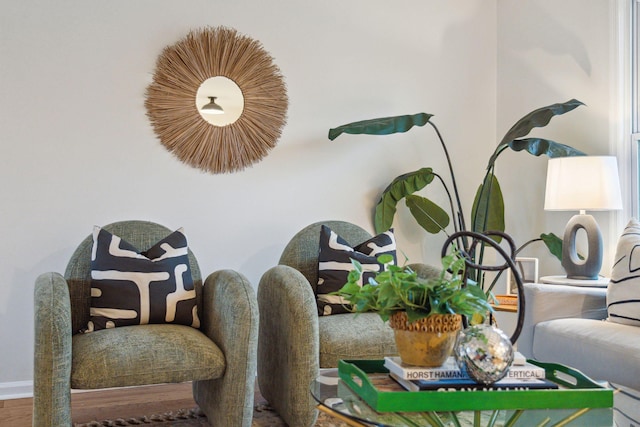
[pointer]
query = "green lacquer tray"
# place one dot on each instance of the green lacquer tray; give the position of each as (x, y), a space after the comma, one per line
(576, 391)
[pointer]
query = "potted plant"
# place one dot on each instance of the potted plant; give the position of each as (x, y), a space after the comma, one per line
(425, 313)
(487, 212)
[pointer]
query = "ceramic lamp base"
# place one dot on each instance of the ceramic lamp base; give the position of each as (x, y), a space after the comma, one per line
(589, 267)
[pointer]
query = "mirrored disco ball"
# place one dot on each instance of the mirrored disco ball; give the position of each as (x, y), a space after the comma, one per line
(484, 352)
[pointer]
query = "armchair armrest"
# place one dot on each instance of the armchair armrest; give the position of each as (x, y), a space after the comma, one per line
(230, 319)
(289, 345)
(52, 351)
(549, 302)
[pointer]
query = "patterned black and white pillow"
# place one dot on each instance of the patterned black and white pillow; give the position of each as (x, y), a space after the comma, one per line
(623, 292)
(334, 264)
(129, 287)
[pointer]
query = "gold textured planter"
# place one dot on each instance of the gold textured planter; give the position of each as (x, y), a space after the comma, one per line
(428, 341)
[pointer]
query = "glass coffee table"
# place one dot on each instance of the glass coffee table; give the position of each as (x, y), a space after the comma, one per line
(337, 399)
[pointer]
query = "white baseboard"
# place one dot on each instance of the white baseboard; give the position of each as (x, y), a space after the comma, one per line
(16, 390)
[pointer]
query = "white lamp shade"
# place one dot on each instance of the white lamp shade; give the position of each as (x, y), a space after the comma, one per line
(588, 183)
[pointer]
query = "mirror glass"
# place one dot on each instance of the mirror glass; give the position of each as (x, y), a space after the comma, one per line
(228, 95)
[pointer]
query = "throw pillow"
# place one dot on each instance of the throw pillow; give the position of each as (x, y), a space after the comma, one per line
(334, 264)
(129, 287)
(623, 292)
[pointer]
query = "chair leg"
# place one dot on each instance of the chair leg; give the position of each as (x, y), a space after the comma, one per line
(224, 403)
(50, 410)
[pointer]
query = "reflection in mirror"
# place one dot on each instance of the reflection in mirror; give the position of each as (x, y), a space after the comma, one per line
(212, 107)
(228, 96)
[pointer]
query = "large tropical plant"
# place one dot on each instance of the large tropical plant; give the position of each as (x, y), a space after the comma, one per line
(487, 213)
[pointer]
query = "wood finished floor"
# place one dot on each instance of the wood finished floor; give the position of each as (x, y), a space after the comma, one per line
(107, 404)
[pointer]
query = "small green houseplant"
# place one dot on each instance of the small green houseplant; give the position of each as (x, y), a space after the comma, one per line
(397, 288)
(425, 313)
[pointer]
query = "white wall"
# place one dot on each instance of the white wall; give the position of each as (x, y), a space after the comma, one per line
(78, 150)
(550, 51)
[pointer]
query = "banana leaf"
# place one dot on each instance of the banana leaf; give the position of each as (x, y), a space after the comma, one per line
(427, 214)
(382, 126)
(537, 118)
(488, 207)
(553, 243)
(399, 188)
(539, 146)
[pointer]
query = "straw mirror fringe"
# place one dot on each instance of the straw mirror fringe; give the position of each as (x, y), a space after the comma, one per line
(170, 100)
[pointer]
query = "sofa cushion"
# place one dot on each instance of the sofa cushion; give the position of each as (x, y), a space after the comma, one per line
(334, 264)
(144, 354)
(601, 349)
(623, 292)
(351, 336)
(129, 287)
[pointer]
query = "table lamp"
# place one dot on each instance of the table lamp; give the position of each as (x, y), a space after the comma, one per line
(582, 183)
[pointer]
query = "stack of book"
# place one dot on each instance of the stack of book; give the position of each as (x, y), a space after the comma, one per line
(522, 375)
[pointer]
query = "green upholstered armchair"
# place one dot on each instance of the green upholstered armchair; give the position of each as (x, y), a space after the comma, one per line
(295, 342)
(219, 357)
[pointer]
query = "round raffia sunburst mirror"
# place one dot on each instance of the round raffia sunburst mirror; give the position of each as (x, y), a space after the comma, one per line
(234, 71)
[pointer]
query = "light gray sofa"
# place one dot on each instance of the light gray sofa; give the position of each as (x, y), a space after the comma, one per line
(568, 325)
